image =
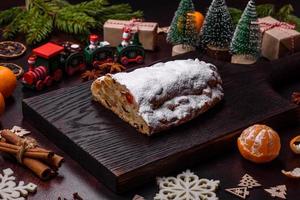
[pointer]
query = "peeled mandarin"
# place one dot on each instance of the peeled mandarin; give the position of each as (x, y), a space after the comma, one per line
(259, 144)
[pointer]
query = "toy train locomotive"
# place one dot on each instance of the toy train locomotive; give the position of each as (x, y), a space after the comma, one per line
(51, 61)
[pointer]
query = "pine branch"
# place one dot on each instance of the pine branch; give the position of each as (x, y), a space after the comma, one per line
(13, 28)
(39, 18)
(40, 28)
(7, 16)
(74, 22)
(47, 7)
(294, 20)
(284, 12)
(265, 10)
(28, 18)
(235, 15)
(61, 3)
(120, 11)
(89, 7)
(124, 16)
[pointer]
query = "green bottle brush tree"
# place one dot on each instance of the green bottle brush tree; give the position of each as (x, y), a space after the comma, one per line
(246, 41)
(39, 18)
(182, 30)
(183, 33)
(285, 13)
(218, 28)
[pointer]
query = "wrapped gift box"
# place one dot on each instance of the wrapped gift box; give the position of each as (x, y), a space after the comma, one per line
(279, 38)
(147, 32)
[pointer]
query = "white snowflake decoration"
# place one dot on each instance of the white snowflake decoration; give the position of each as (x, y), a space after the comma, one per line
(19, 131)
(186, 186)
(9, 190)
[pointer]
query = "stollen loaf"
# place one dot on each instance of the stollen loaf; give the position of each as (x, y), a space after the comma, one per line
(164, 95)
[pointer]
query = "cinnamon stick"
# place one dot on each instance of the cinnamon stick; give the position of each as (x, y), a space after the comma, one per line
(11, 137)
(30, 153)
(43, 171)
(55, 161)
(39, 168)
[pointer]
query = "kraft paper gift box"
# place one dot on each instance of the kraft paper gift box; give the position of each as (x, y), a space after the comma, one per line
(278, 38)
(147, 32)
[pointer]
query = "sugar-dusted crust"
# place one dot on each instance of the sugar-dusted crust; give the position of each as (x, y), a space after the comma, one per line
(159, 97)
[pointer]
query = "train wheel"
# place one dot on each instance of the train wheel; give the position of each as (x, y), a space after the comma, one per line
(82, 67)
(124, 60)
(139, 59)
(39, 85)
(58, 75)
(70, 70)
(48, 81)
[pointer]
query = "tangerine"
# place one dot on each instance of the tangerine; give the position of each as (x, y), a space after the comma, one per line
(8, 81)
(198, 18)
(259, 144)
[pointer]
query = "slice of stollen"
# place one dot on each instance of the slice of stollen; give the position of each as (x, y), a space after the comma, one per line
(161, 96)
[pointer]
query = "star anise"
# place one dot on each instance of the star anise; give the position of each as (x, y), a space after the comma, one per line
(90, 75)
(111, 67)
(296, 98)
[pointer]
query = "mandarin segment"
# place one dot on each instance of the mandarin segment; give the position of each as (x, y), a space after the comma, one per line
(259, 144)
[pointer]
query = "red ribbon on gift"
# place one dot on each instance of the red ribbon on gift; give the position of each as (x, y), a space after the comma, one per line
(134, 23)
(267, 26)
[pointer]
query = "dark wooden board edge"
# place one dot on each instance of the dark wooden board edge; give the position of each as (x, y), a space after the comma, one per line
(201, 153)
(134, 179)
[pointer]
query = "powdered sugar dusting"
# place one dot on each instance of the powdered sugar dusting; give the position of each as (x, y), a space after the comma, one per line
(171, 91)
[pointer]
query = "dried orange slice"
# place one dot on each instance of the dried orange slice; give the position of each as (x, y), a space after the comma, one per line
(11, 49)
(295, 144)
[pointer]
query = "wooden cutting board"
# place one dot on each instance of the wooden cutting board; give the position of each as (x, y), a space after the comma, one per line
(120, 157)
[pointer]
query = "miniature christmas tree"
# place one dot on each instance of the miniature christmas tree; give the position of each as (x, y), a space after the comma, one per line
(191, 35)
(218, 26)
(182, 30)
(246, 42)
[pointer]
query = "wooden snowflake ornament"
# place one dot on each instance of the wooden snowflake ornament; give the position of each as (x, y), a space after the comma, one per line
(241, 192)
(249, 182)
(9, 190)
(278, 191)
(186, 185)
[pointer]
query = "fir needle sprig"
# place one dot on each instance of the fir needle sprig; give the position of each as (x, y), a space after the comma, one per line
(38, 18)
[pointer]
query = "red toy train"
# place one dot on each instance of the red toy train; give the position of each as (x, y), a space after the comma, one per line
(50, 61)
